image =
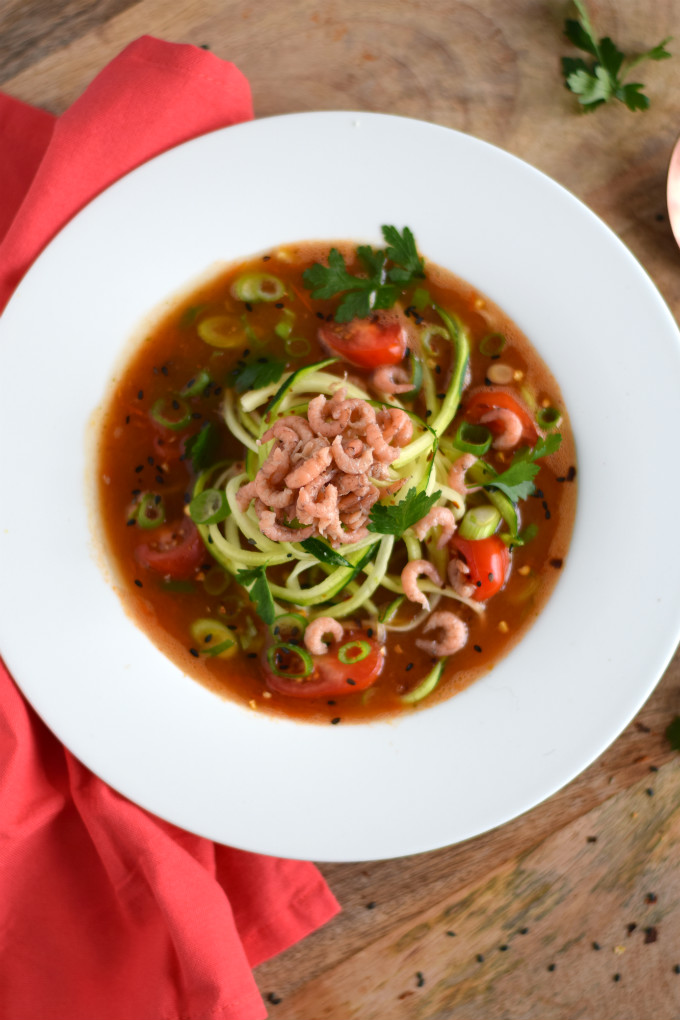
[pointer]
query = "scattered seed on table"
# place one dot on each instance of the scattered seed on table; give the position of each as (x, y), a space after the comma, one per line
(651, 935)
(372, 905)
(551, 966)
(451, 934)
(651, 897)
(504, 948)
(334, 722)
(420, 980)
(649, 791)
(676, 969)
(524, 931)
(596, 945)
(630, 928)
(274, 998)
(617, 977)
(138, 583)
(591, 839)
(480, 958)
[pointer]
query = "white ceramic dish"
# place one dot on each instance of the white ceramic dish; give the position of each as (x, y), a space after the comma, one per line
(437, 776)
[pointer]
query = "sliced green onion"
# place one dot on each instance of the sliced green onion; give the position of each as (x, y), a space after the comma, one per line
(284, 327)
(479, 522)
(426, 686)
(492, 345)
(151, 511)
(297, 346)
(258, 287)
(525, 535)
(209, 507)
(475, 439)
(216, 580)
(221, 331)
(289, 625)
(429, 333)
(391, 610)
(171, 412)
(213, 638)
(549, 417)
(421, 299)
(353, 651)
(291, 650)
(196, 384)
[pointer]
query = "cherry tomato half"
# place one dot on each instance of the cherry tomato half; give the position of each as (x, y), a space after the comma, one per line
(330, 677)
(488, 560)
(367, 343)
(175, 549)
(480, 401)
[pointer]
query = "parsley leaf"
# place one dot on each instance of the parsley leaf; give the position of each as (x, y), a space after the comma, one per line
(673, 733)
(394, 520)
(517, 482)
(379, 288)
(254, 374)
(202, 447)
(255, 581)
(601, 80)
(324, 553)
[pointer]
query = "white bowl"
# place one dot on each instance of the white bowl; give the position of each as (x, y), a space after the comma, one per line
(554, 703)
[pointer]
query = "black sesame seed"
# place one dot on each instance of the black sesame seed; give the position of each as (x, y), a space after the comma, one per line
(138, 583)
(571, 474)
(591, 839)
(653, 768)
(279, 304)
(352, 683)
(164, 369)
(334, 722)
(217, 391)
(409, 666)
(596, 945)
(524, 931)
(651, 897)
(192, 651)
(329, 317)
(372, 905)
(649, 791)
(330, 702)
(438, 369)
(630, 928)
(252, 655)
(551, 966)
(504, 948)
(266, 258)
(130, 522)
(556, 563)
(273, 997)
(140, 395)
(127, 419)
(428, 413)
(150, 461)
(548, 515)
(136, 492)
(451, 934)
(140, 467)
(321, 316)
(676, 969)
(478, 583)
(651, 935)
(440, 396)
(420, 980)
(477, 648)
(480, 958)
(617, 977)
(249, 307)
(160, 479)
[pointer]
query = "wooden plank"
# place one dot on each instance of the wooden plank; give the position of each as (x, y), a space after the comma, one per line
(525, 933)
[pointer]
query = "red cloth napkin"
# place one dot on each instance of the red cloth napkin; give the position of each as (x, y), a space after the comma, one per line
(106, 912)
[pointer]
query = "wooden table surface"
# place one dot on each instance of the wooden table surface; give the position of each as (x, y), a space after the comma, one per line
(574, 909)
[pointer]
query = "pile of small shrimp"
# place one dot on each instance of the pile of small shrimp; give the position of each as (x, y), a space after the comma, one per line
(321, 470)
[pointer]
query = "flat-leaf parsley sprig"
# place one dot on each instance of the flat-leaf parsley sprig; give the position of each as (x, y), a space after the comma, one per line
(600, 80)
(387, 273)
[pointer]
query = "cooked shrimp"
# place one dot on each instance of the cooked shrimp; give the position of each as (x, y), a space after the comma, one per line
(308, 502)
(351, 465)
(292, 421)
(310, 468)
(277, 465)
(382, 451)
(271, 496)
(317, 413)
(278, 532)
(409, 576)
(454, 636)
(438, 516)
(365, 415)
(512, 427)
(457, 572)
(457, 475)
(392, 379)
(245, 495)
(319, 629)
(395, 425)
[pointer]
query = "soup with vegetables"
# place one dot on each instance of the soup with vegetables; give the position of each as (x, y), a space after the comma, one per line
(337, 482)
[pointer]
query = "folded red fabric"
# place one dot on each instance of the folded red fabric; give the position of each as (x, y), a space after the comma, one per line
(106, 912)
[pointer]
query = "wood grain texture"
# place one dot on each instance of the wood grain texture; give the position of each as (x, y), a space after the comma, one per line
(490, 68)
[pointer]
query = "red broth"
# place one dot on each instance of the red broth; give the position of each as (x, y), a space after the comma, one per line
(161, 406)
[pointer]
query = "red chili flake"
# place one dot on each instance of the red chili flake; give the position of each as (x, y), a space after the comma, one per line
(651, 935)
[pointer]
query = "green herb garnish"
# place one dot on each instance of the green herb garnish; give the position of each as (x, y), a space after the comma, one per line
(254, 374)
(380, 287)
(598, 81)
(255, 582)
(324, 553)
(518, 481)
(202, 447)
(394, 520)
